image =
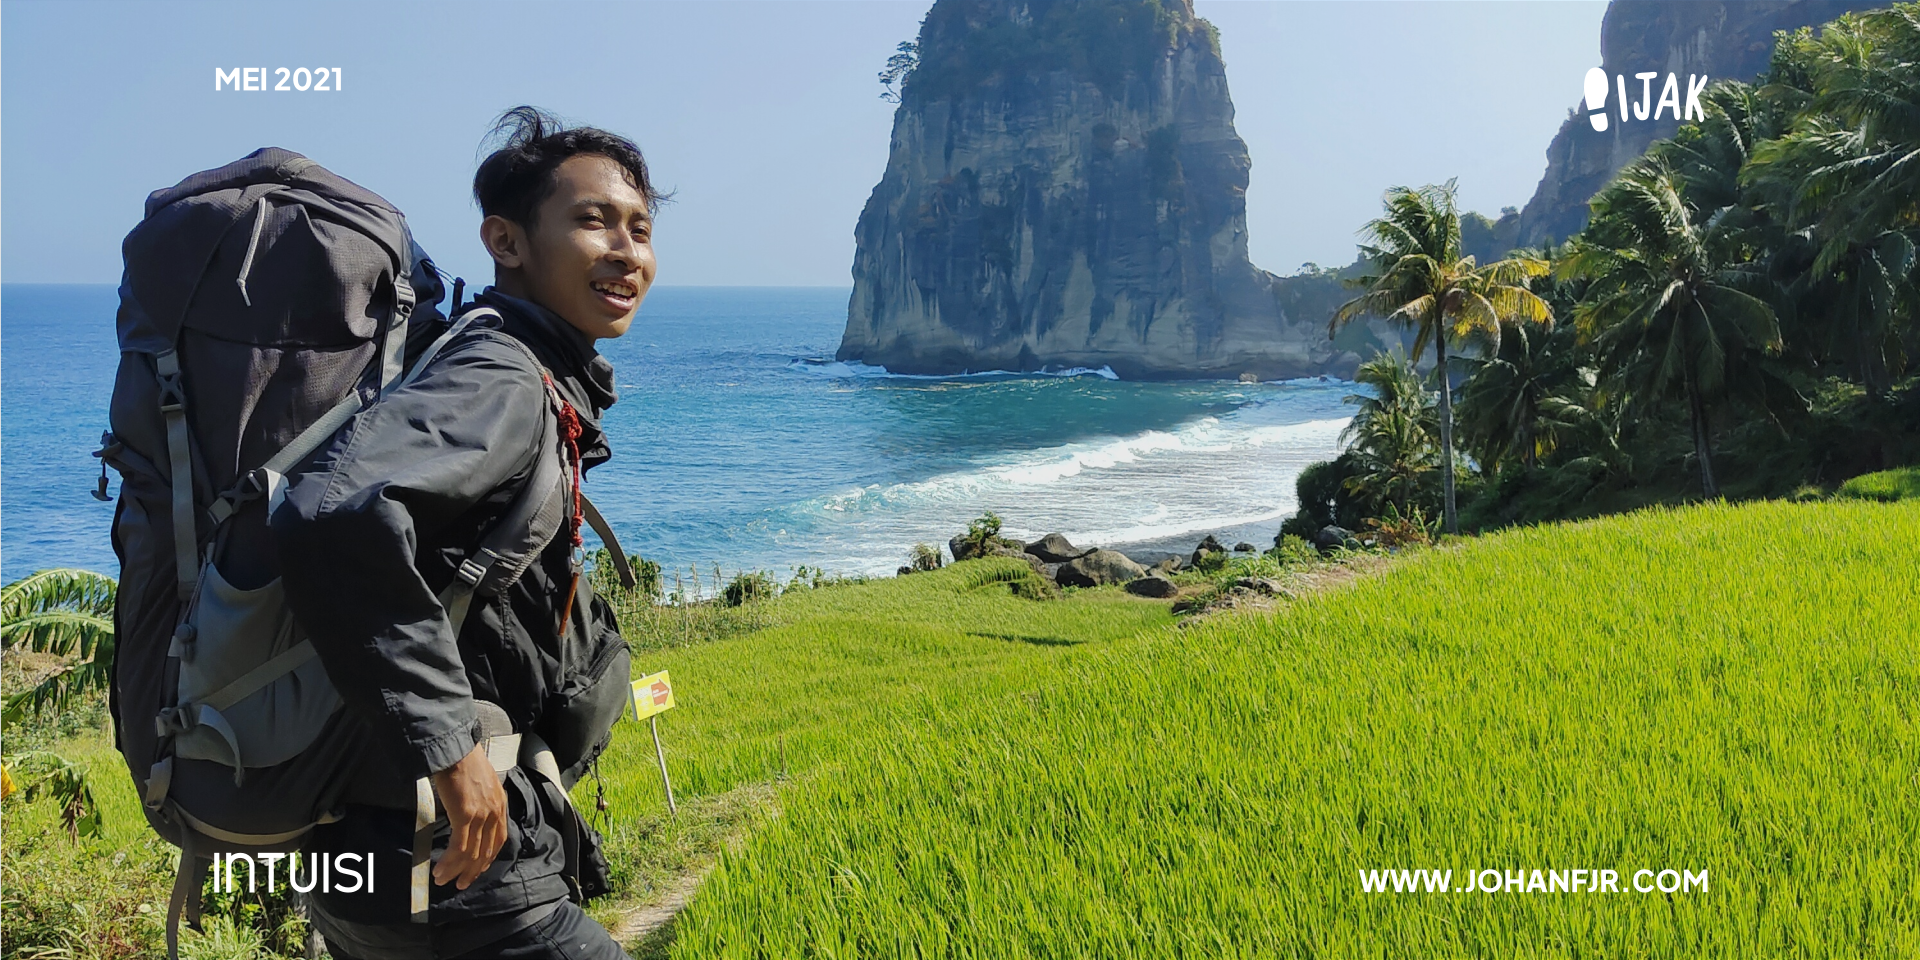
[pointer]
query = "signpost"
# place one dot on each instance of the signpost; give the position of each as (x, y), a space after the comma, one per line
(652, 696)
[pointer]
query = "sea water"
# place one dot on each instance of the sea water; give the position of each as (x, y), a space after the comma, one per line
(739, 442)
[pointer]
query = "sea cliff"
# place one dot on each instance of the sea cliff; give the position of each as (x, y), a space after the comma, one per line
(1722, 39)
(1065, 188)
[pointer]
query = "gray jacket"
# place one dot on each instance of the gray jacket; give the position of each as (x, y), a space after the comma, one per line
(371, 532)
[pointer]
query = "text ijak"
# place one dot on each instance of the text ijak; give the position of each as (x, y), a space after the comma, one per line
(326, 872)
(1646, 107)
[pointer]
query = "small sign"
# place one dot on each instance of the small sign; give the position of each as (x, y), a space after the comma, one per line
(652, 695)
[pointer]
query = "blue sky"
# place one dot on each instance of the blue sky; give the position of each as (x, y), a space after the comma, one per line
(763, 116)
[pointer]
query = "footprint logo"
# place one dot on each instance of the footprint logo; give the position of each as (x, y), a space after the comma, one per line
(1597, 98)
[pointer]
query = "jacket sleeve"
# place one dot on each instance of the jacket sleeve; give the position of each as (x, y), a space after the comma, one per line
(350, 528)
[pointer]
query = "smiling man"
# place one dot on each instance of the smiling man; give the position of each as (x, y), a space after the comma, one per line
(377, 533)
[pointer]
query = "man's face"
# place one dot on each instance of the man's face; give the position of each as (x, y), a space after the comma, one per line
(588, 255)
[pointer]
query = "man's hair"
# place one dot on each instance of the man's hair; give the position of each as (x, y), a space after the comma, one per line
(515, 179)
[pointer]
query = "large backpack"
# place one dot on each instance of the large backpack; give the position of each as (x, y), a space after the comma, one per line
(263, 304)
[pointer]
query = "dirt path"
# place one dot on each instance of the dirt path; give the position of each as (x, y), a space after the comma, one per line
(643, 921)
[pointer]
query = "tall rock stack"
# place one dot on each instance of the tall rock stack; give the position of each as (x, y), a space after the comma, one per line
(1723, 39)
(1065, 189)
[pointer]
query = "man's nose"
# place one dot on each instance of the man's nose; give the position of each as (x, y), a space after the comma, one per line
(625, 249)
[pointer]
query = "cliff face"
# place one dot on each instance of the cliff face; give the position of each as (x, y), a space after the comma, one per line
(1065, 188)
(1724, 39)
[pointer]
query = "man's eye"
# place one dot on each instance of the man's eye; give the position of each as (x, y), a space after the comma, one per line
(591, 221)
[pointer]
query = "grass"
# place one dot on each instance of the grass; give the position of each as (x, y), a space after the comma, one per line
(935, 766)
(1728, 689)
(1886, 486)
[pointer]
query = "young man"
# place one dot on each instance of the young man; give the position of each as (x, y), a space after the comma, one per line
(371, 535)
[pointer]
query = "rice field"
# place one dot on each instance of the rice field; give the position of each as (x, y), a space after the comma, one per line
(933, 766)
(1719, 690)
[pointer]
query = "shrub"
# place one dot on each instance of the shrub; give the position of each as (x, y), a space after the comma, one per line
(924, 557)
(748, 586)
(606, 580)
(1886, 486)
(1395, 530)
(1289, 549)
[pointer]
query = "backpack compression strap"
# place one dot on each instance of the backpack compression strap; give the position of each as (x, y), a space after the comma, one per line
(173, 407)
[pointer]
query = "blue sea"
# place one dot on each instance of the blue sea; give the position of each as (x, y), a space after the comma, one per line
(739, 442)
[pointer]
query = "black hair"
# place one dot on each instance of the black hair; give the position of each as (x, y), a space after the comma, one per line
(515, 179)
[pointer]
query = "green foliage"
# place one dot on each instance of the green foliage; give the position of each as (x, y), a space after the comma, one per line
(1426, 282)
(924, 557)
(1324, 499)
(964, 48)
(981, 533)
(1393, 438)
(1722, 680)
(1886, 486)
(1289, 550)
(45, 774)
(905, 59)
(65, 613)
(748, 586)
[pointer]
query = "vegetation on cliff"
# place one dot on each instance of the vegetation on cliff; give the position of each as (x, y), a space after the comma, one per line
(1738, 317)
(966, 45)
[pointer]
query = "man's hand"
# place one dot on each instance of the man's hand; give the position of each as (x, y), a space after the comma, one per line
(477, 812)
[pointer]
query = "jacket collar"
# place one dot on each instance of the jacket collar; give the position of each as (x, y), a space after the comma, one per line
(583, 376)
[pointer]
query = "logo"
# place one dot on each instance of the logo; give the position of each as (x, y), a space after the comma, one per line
(1646, 107)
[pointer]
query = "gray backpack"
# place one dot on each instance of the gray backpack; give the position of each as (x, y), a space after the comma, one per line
(263, 304)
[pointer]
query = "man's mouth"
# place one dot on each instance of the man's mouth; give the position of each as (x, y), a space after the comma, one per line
(617, 293)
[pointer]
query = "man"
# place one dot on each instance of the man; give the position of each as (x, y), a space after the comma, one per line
(372, 532)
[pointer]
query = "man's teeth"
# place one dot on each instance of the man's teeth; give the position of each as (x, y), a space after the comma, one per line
(613, 288)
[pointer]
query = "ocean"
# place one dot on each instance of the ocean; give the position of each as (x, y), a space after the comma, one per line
(739, 442)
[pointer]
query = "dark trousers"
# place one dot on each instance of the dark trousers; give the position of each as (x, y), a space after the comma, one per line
(566, 933)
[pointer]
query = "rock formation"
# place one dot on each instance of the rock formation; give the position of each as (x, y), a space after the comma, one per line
(1065, 189)
(1724, 39)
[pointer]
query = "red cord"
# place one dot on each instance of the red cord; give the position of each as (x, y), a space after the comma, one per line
(570, 431)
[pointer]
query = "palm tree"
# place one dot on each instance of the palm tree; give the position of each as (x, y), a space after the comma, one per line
(1845, 179)
(68, 613)
(1669, 302)
(1391, 436)
(1501, 400)
(1425, 283)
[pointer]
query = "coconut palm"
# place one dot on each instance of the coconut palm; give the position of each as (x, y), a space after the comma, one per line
(68, 613)
(1865, 122)
(1844, 180)
(1424, 282)
(1500, 402)
(1671, 302)
(1391, 437)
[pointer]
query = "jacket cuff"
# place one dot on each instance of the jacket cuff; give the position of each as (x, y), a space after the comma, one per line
(440, 753)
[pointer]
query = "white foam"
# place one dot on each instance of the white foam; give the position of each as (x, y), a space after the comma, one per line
(854, 369)
(1211, 473)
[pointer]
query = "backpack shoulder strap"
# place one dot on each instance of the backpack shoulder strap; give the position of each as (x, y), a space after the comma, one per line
(515, 540)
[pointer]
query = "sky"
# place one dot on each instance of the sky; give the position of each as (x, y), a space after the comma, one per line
(763, 116)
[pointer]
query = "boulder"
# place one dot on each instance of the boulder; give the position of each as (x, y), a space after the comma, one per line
(1054, 548)
(1244, 547)
(903, 571)
(1003, 550)
(1209, 545)
(1152, 585)
(1258, 585)
(1099, 568)
(1168, 566)
(1331, 537)
(962, 550)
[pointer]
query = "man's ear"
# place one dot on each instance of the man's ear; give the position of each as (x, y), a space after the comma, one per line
(506, 242)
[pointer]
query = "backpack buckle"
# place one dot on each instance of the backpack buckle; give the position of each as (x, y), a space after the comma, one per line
(173, 396)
